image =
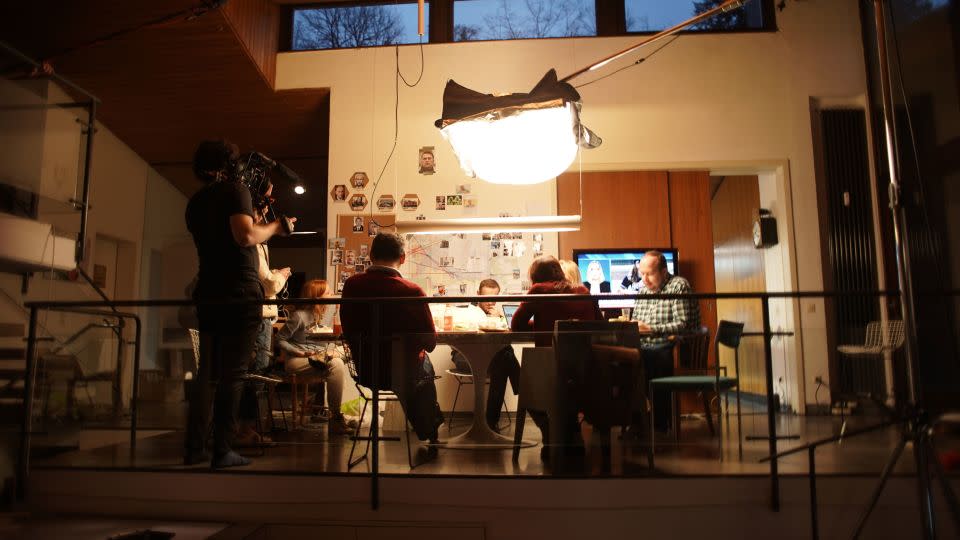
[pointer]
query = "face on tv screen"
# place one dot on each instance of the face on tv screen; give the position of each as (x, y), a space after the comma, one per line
(612, 271)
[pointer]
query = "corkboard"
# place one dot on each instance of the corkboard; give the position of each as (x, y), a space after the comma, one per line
(355, 241)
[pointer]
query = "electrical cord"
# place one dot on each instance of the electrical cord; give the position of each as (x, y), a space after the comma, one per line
(398, 76)
(189, 13)
(640, 61)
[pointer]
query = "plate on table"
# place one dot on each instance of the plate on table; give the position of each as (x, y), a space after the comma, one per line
(491, 329)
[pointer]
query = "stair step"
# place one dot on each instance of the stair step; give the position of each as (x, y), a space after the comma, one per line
(13, 330)
(12, 353)
(12, 369)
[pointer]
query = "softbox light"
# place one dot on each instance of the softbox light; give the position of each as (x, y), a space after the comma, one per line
(523, 138)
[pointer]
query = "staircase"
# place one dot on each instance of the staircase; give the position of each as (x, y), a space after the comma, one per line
(12, 371)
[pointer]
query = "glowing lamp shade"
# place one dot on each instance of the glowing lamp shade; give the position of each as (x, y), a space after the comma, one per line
(515, 138)
(527, 147)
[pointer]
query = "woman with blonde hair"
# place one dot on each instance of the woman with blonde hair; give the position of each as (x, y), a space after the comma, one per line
(299, 355)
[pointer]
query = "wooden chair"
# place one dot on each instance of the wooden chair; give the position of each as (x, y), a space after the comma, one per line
(728, 334)
(539, 374)
(692, 352)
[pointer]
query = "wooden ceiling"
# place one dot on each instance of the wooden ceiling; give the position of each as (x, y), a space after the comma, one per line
(165, 87)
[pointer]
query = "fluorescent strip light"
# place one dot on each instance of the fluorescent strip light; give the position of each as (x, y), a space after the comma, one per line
(491, 225)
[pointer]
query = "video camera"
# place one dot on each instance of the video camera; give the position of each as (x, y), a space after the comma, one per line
(253, 170)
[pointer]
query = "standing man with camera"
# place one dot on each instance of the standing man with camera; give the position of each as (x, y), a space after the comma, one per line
(222, 221)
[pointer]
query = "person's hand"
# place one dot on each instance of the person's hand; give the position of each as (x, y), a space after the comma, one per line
(644, 327)
(285, 272)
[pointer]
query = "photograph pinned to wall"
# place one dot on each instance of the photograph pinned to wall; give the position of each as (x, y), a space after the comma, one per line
(441, 290)
(441, 202)
(463, 189)
(358, 224)
(410, 202)
(517, 236)
(446, 261)
(359, 180)
(339, 193)
(358, 269)
(339, 287)
(524, 286)
(336, 257)
(538, 237)
(350, 258)
(336, 243)
(495, 244)
(444, 244)
(345, 275)
(537, 249)
(516, 273)
(454, 200)
(386, 203)
(463, 288)
(507, 247)
(469, 202)
(519, 248)
(373, 229)
(421, 217)
(427, 160)
(358, 202)
(364, 251)
(485, 236)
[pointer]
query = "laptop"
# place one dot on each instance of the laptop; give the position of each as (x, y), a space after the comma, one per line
(508, 311)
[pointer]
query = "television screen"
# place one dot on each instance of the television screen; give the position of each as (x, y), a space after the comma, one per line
(607, 271)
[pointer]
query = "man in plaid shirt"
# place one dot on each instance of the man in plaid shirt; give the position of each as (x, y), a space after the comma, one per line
(663, 318)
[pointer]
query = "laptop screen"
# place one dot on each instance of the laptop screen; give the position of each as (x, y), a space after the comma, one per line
(508, 311)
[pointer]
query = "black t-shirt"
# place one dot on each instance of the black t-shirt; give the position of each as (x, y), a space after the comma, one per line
(224, 265)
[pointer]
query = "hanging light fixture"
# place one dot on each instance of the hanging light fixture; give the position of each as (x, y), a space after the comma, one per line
(490, 225)
(525, 138)
(529, 138)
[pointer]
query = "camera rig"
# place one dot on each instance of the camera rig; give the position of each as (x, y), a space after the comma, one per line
(253, 170)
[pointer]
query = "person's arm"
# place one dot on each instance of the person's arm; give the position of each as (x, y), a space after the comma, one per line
(521, 318)
(285, 335)
(246, 233)
(680, 316)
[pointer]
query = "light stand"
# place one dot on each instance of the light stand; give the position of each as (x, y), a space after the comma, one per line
(916, 425)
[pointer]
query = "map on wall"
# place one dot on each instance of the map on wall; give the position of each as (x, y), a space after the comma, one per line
(455, 264)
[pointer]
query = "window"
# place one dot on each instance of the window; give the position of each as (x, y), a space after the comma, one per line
(656, 15)
(356, 26)
(508, 19)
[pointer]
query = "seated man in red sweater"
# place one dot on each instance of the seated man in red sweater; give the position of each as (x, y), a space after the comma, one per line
(410, 323)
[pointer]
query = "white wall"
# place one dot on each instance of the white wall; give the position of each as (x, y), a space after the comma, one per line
(705, 101)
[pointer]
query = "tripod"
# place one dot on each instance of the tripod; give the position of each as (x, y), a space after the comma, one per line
(915, 424)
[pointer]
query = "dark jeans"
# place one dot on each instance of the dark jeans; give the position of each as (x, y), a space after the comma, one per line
(658, 362)
(503, 367)
(418, 397)
(224, 358)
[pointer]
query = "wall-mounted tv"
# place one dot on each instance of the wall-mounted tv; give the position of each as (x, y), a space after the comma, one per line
(607, 271)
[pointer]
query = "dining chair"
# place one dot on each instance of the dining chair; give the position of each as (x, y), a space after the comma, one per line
(728, 334)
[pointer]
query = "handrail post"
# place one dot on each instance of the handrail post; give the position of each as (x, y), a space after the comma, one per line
(136, 386)
(771, 412)
(375, 435)
(118, 375)
(23, 465)
(812, 473)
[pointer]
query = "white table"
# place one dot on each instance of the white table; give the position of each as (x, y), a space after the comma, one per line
(479, 348)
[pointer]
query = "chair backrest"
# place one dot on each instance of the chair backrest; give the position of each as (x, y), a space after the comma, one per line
(539, 374)
(693, 349)
(573, 339)
(614, 386)
(729, 333)
(887, 336)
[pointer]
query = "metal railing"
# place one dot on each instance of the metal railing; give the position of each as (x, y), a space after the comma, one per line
(377, 307)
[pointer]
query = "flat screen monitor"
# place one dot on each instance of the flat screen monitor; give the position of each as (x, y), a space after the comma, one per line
(508, 311)
(607, 271)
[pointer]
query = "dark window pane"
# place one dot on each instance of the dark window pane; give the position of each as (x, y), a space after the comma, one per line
(358, 26)
(656, 15)
(510, 19)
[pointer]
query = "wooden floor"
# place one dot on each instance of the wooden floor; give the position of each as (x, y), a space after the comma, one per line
(311, 451)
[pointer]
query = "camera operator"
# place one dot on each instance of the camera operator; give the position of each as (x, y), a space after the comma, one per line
(221, 219)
